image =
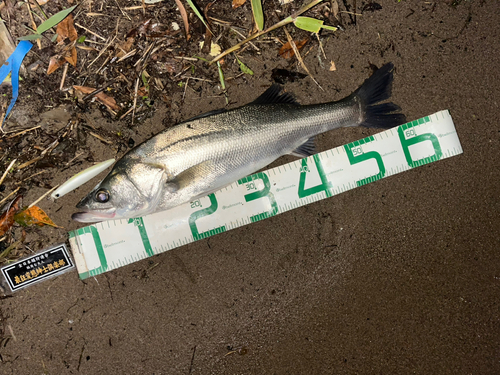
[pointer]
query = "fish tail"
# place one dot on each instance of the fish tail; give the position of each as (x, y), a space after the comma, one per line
(374, 90)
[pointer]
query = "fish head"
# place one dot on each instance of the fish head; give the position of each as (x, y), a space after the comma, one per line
(129, 190)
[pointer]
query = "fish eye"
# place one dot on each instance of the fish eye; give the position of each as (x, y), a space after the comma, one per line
(102, 196)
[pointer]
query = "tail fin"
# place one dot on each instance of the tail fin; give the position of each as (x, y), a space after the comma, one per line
(374, 90)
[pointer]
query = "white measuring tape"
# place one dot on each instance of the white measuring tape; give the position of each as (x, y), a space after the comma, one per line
(111, 244)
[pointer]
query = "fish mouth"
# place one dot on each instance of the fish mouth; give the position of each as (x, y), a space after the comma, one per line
(93, 216)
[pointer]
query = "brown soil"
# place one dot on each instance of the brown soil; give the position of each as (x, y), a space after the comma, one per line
(399, 276)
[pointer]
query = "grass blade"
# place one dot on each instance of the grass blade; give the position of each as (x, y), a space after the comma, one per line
(30, 37)
(245, 69)
(222, 81)
(197, 12)
(55, 19)
(258, 14)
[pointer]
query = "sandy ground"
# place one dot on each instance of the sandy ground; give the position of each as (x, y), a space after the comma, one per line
(399, 276)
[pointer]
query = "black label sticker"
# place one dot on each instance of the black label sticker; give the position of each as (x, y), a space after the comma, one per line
(37, 267)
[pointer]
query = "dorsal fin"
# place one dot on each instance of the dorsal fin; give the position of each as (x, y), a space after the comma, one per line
(206, 114)
(272, 95)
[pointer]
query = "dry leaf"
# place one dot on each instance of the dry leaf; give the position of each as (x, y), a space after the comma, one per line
(184, 16)
(40, 2)
(286, 51)
(102, 97)
(54, 64)
(7, 218)
(124, 48)
(238, 3)
(335, 9)
(34, 216)
(332, 66)
(66, 29)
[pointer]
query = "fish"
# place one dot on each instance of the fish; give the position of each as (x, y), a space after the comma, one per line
(208, 152)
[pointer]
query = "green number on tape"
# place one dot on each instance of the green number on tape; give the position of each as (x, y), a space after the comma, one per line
(408, 137)
(266, 192)
(202, 213)
(356, 155)
(139, 223)
(324, 186)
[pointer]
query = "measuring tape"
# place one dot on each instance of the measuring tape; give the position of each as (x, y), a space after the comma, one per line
(111, 244)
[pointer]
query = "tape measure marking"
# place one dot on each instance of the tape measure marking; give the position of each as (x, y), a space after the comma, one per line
(108, 245)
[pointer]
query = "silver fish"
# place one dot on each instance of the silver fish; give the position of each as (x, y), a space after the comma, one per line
(206, 153)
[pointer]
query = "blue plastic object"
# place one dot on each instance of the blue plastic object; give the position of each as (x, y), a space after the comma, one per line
(12, 65)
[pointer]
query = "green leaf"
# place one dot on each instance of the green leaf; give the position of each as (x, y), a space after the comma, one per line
(55, 19)
(221, 76)
(258, 15)
(197, 12)
(245, 69)
(201, 58)
(331, 28)
(222, 82)
(144, 77)
(311, 24)
(30, 37)
(81, 39)
(308, 24)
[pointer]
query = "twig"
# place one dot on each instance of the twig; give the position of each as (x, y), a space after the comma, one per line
(321, 45)
(126, 56)
(100, 138)
(199, 79)
(29, 162)
(144, 55)
(8, 196)
(50, 147)
(135, 99)
(243, 36)
(139, 7)
(23, 131)
(126, 113)
(69, 162)
(38, 41)
(101, 52)
(121, 10)
(185, 88)
(33, 175)
(7, 171)
(192, 361)
(297, 53)
(352, 13)
(185, 58)
(91, 32)
(65, 71)
(43, 196)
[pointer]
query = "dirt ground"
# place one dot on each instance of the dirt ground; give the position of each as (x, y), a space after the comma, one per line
(399, 276)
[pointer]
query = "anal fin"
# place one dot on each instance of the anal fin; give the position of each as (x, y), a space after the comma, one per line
(306, 149)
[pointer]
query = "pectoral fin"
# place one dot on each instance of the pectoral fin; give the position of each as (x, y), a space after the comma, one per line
(192, 176)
